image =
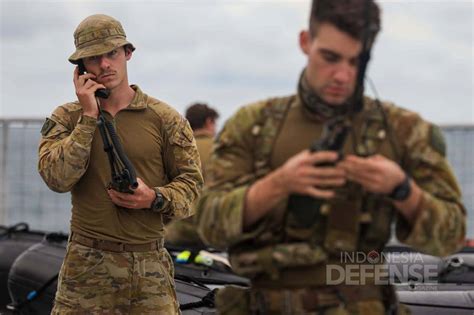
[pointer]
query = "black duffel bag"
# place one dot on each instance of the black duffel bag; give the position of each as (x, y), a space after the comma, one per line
(14, 240)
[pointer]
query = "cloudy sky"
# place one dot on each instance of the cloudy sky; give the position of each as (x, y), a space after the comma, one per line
(232, 52)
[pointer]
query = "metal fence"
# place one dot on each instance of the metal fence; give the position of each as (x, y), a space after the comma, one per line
(25, 197)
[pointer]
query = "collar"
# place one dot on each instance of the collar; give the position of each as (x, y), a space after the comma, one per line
(313, 106)
(202, 133)
(139, 100)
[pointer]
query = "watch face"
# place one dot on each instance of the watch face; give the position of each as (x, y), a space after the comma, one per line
(402, 191)
(158, 202)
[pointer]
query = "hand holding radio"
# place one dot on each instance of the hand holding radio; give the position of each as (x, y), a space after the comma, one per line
(86, 91)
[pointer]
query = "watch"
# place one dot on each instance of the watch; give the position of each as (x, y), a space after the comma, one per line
(158, 203)
(402, 191)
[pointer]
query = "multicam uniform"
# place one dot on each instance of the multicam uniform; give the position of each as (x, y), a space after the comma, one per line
(116, 262)
(286, 261)
(184, 232)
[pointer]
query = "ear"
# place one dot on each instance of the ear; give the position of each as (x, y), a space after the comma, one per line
(128, 53)
(209, 122)
(305, 41)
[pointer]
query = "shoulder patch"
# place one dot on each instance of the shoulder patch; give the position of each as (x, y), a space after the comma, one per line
(437, 140)
(47, 126)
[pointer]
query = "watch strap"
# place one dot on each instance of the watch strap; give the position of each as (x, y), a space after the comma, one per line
(401, 191)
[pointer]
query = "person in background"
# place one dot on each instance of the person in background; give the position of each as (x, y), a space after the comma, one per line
(289, 215)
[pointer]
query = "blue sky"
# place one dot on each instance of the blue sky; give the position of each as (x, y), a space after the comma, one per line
(229, 53)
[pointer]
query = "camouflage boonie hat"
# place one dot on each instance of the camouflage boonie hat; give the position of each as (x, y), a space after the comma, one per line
(96, 35)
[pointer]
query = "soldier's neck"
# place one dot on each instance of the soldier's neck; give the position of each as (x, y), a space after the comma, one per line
(117, 100)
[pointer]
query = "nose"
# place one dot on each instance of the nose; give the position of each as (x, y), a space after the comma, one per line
(104, 62)
(344, 73)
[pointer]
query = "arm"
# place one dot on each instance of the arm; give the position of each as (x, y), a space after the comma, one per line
(65, 146)
(182, 165)
(64, 149)
(432, 218)
(440, 225)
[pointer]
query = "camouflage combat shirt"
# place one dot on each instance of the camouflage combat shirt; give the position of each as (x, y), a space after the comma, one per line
(439, 229)
(159, 143)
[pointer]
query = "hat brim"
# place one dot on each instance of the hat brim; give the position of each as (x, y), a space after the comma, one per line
(98, 49)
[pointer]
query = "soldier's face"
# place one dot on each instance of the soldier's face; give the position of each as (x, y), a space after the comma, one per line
(332, 63)
(110, 69)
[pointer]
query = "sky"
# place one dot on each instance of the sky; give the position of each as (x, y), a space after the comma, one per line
(229, 53)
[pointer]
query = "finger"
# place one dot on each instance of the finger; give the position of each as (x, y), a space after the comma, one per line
(83, 78)
(319, 193)
(123, 197)
(141, 185)
(371, 184)
(94, 87)
(89, 83)
(357, 166)
(333, 182)
(318, 182)
(361, 177)
(323, 156)
(324, 172)
(122, 202)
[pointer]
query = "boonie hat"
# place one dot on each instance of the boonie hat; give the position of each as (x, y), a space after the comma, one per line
(96, 35)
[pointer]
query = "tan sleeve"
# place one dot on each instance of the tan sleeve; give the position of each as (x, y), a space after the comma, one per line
(182, 166)
(64, 149)
(441, 225)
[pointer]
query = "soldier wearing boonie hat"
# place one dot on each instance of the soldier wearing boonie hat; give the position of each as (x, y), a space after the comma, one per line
(115, 260)
(96, 35)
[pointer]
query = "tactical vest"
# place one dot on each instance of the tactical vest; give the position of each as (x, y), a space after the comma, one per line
(356, 221)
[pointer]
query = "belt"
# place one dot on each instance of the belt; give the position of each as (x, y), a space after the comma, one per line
(286, 301)
(306, 276)
(314, 298)
(116, 246)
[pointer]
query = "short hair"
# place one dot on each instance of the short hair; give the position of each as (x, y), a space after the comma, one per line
(348, 16)
(198, 113)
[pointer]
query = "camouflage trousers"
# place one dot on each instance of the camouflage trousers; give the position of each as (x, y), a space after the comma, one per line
(93, 281)
(239, 301)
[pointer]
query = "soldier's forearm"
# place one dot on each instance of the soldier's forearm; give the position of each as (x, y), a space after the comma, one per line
(439, 228)
(262, 197)
(180, 194)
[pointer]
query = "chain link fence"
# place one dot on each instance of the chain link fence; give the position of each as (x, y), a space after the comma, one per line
(24, 196)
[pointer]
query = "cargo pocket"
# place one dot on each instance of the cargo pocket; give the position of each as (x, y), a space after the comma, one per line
(81, 262)
(83, 281)
(157, 289)
(233, 301)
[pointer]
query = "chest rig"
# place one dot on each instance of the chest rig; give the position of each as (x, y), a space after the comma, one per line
(353, 221)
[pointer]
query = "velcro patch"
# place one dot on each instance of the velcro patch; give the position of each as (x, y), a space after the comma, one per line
(437, 140)
(47, 126)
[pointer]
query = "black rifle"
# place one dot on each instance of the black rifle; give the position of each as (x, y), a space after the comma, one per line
(123, 172)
